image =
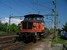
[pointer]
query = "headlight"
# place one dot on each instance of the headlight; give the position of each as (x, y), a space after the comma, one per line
(42, 23)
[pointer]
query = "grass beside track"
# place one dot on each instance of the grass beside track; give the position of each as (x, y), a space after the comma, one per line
(1, 32)
(6, 33)
(59, 40)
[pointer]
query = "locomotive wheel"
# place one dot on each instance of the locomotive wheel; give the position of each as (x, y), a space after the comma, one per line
(41, 35)
(29, 37)
(34, 40)
(19, 37)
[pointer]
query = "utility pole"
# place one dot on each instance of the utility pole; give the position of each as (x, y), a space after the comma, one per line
(55, 18)
(9, 23)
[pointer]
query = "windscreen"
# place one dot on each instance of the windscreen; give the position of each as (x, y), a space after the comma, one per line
(27, 25)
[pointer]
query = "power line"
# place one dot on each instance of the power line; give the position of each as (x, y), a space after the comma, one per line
(42, 6)
(33, 6)
(27, 5)
(6, 5)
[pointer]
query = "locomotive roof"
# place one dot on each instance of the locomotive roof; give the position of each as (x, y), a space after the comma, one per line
(33, 15)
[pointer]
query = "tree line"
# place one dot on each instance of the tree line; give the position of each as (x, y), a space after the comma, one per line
(9, 28)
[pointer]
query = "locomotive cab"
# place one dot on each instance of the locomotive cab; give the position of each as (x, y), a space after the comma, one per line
(34, 17)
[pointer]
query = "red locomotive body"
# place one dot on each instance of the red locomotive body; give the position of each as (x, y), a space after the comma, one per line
(31, 27)
(36, 27)
(32, 23)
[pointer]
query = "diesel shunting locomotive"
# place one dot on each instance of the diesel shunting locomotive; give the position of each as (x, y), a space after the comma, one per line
(32, 28)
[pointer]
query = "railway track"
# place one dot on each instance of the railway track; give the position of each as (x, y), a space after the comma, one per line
(8, 36)
(13, 46)
(7, 40)
(7, 43)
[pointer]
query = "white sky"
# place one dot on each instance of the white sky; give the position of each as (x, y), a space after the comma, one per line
(13, 20)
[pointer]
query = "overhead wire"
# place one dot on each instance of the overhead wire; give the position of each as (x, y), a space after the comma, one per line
(30, 5)
(35, 9)
(27, 5)
(8, 6)
(23, 2)
(5, 5)
(39, 4)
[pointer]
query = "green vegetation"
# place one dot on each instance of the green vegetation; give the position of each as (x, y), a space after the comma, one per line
(2, 32)
(5, 28)
(51, 30)
(65, 27)
(59, 39)
(14, 28)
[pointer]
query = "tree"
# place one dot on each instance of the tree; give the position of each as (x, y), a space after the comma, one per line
(65, 27)
(5, 27)
(14, 28)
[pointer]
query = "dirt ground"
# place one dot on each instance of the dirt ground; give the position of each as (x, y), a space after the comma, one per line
(45, 44)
